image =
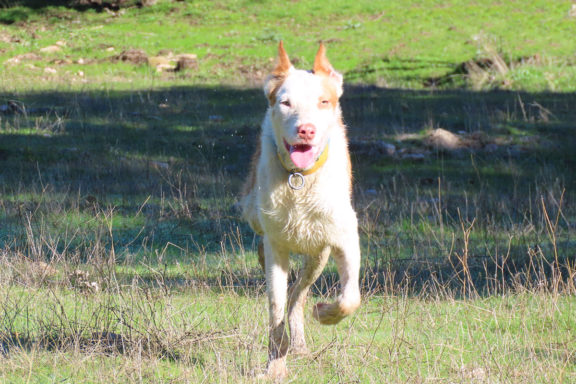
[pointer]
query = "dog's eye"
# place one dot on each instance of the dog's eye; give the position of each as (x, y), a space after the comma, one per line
(286, 103)
(325, 102)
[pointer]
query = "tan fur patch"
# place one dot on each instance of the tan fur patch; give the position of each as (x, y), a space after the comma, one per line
(321, 63)
(330, 94)
(272, 87)
(284, 63)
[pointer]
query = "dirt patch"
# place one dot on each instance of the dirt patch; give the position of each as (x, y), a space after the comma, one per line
(110, 4)
(23, 57)
(9, 39)
(134, 56)
(165, 61)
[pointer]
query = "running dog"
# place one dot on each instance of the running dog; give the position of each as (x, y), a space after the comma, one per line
(298, 198)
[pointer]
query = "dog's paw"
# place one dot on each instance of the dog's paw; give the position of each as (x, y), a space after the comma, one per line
(276, 370)
(328, 314)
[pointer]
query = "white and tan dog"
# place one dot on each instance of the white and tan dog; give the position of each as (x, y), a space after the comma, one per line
(299, 199)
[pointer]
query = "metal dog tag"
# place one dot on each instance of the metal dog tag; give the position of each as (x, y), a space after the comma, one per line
(296, 181)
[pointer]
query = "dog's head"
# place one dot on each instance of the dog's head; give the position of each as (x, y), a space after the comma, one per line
(304, 108)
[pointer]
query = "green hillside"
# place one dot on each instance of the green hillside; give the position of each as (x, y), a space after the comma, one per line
(407, 44)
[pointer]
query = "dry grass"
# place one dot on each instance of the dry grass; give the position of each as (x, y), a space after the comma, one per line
(130, 333)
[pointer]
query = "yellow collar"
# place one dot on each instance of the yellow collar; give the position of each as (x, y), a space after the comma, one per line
(317, 165)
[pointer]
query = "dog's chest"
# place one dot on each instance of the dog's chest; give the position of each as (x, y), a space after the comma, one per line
(302, 220)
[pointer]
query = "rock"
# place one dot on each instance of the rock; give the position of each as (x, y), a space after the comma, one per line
(186, 61)
(50, 71)
(51, 49)
(61, 62)
(24, 57)
(386, 148)
(165, 61)
(113, 13)
(159, 165)
(81, 281)
(416, 157)
(134, 56)
(89, 286)
(443, 139)
(78, 275)
(162, 63)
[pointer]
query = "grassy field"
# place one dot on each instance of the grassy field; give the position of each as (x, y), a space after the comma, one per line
(122, 256)
(201, 336)
(409, 44)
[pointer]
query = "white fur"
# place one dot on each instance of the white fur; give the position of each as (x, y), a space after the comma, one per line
(312, 221)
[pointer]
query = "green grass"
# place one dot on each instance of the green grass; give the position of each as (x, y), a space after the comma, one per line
(523, 338)
(409, 44)
(118, 192)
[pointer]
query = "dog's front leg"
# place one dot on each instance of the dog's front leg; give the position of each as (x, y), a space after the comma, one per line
(347, 257)
(277, 265)
(297, 298)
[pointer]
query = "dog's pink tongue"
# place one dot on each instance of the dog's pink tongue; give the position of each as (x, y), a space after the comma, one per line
(302, 156)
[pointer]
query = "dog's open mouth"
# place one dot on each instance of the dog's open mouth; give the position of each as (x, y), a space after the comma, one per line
(303, 156)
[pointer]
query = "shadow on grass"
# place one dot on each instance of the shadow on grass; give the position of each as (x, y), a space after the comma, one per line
(107, 343)
(17, 11)
(442, 276)
(179, 156)
(216, 128)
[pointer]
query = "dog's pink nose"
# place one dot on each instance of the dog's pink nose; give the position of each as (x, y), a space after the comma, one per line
(307, 131)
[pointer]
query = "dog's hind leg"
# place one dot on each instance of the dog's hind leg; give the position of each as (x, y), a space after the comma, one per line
(277, 266)
(297, 298)
(261, 257)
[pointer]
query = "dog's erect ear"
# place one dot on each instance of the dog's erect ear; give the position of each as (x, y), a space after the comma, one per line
(323, 67)
(284, 63)
(277, 77)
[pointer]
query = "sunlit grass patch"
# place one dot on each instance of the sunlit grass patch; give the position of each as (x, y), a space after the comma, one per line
(220, 336)
(406, 45)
